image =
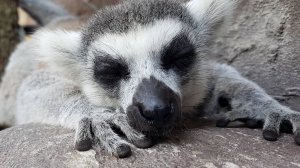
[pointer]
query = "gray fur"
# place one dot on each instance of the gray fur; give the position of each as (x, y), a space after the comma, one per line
(61, 89)
(123, 16)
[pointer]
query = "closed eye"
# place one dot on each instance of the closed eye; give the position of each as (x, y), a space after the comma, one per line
(179, 54)
(109, 71)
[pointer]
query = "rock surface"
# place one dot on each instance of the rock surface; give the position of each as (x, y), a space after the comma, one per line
(41, 146)
(37, 146)
(264, 44)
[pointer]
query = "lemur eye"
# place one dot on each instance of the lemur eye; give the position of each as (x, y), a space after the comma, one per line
(179, 54)
(109, 71)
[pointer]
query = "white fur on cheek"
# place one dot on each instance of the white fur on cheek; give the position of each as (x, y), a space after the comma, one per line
(95, 93)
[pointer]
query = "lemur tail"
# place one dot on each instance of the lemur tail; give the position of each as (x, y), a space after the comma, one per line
(43, 11)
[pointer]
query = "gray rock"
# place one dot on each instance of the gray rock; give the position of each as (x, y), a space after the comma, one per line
(264, 44)
(41, 146)
(200, 146)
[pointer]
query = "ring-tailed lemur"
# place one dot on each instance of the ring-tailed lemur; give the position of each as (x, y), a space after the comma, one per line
(137, 67)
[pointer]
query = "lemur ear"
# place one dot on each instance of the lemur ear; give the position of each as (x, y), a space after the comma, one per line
(58, 49)
(210, 12)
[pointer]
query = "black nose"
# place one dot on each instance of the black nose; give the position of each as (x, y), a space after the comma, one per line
(156, 111)
(155, 102)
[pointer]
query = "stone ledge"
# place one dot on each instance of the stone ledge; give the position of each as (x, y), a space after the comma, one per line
(37, 145)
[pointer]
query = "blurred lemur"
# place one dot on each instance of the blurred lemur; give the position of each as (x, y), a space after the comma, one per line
(136, 67)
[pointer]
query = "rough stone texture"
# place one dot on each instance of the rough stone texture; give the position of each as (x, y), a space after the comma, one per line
(202, 146)
(8, 30)
(263, 43)
(35, 146)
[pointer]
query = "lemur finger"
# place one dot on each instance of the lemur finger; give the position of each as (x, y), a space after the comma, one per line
(229, 117)
(249, 123)
(83, 136)
(295, 120)
(110, 140)
(137, 138)
(272, 126)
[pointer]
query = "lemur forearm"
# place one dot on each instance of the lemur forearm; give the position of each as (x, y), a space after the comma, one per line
(240, 98)
(246, 99)
(55, 101)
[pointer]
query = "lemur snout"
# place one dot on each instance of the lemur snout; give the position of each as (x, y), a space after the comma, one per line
(155, 111)
(155, 107)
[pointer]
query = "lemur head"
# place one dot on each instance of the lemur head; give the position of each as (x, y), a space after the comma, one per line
(142, 56)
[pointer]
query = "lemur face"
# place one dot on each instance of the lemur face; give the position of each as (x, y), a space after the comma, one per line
(143, 66)
(144, 69)
(141, 56)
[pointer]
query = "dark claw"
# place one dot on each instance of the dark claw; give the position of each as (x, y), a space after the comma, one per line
(143, 143)
(270, 135)
(297, 137)
(123, 151)
(222, 122)
(83, 145)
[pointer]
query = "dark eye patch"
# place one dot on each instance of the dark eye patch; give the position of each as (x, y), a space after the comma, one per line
(180, 54)
(109, 71)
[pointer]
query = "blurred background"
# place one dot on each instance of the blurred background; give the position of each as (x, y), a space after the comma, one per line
(17, 24)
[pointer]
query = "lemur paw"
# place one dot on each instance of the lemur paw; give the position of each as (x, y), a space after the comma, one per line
(276, 121)
(92, 133)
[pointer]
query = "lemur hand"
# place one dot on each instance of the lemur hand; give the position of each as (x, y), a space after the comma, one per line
(96, 131)
(273, 118)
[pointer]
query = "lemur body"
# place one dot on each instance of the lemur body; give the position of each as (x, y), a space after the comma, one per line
(137, 67)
